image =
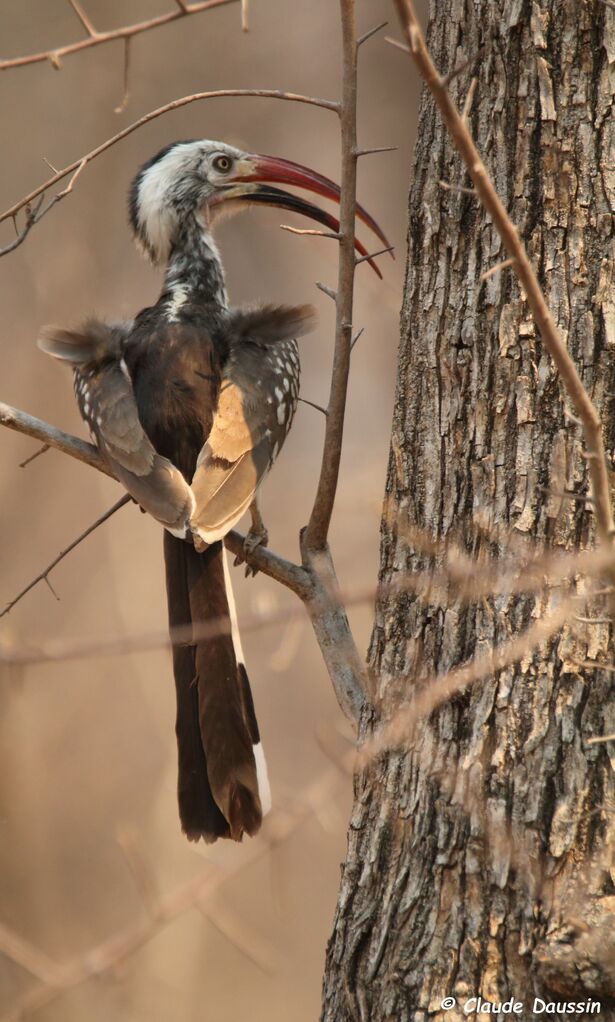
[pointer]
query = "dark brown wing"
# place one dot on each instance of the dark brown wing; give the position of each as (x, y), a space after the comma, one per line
(256, 405)
(107, 403)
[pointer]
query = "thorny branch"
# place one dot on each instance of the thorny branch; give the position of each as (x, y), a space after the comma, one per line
(292, 576)
(315, 585)
(77, 166)
(486, 192)
(95, 38)
(315, 536)
(55, 979)
(44, 575)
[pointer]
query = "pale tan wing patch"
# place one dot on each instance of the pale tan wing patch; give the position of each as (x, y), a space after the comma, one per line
(235, 427)
(256, 405)
(224, 490)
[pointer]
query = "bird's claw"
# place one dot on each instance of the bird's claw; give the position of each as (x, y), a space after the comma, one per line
(254, 539)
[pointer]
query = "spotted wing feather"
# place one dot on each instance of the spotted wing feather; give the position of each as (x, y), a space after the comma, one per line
(107, 404)
(257, 402)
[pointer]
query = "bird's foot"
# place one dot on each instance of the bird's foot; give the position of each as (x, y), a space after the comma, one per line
(257, 536)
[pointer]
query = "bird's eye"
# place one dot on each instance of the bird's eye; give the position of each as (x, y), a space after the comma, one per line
(222, 163)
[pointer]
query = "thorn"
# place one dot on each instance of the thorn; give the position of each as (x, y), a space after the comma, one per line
(367, 35)
(41, 450)
(396, 43)
(313, 404)
(327, 290)
(594, 665)
(356, 337)
(572, 418)
(582, 498)
(496, 269)
(48, 583)
(83, 18)
(467, 106)
(55, 61)
(415, 39)
(601, 738)
(245, 27)
(376, 149)
(373, 255)
(43, 577)
(50, 165)
(458, 188)
(126, 95)
(450, 77)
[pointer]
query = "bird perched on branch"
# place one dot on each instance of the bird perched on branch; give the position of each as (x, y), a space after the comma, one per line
(190, 404)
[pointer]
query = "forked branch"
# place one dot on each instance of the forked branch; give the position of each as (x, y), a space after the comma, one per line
(95, 38)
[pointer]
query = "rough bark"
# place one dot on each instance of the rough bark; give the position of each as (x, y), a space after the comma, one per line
(480, 856)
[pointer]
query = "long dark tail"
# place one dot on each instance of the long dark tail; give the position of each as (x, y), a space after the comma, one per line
(217, 734)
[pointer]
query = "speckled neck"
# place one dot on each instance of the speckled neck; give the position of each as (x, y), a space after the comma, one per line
(194, 273)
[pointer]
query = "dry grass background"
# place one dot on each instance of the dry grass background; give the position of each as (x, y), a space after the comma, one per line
(87, 748)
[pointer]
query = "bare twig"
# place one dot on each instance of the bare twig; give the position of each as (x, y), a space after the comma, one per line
(496, 269)
(262, 558)
(467, 106)
(326, 290)
(245, 15)
(140, 869)
(450, 77)
(236, 930)
(98, 38)
(37, 454)
(77, 166)
(377, 149)
(581, 498)
(310, 232)
(373, 255)
(315, 536)
(312, 404)
(357, 337)
(126, 94)
(447, 187)
(584, 407)
(461, 578)
(396, 43)
(601, 738)
(371, 32)
(44, 575)
(21, 422)
(595, 665)
(32, 217)
(83, 18)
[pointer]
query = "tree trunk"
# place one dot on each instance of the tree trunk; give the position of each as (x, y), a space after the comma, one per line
(478, 857)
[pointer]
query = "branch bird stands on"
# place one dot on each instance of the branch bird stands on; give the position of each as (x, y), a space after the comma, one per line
(189, 405)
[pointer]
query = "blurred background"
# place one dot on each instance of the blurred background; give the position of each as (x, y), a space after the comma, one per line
(89, 835)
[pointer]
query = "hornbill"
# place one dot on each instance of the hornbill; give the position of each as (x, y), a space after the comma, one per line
(189, 404)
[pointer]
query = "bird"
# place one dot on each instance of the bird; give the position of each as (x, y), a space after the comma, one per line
(189, 404)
